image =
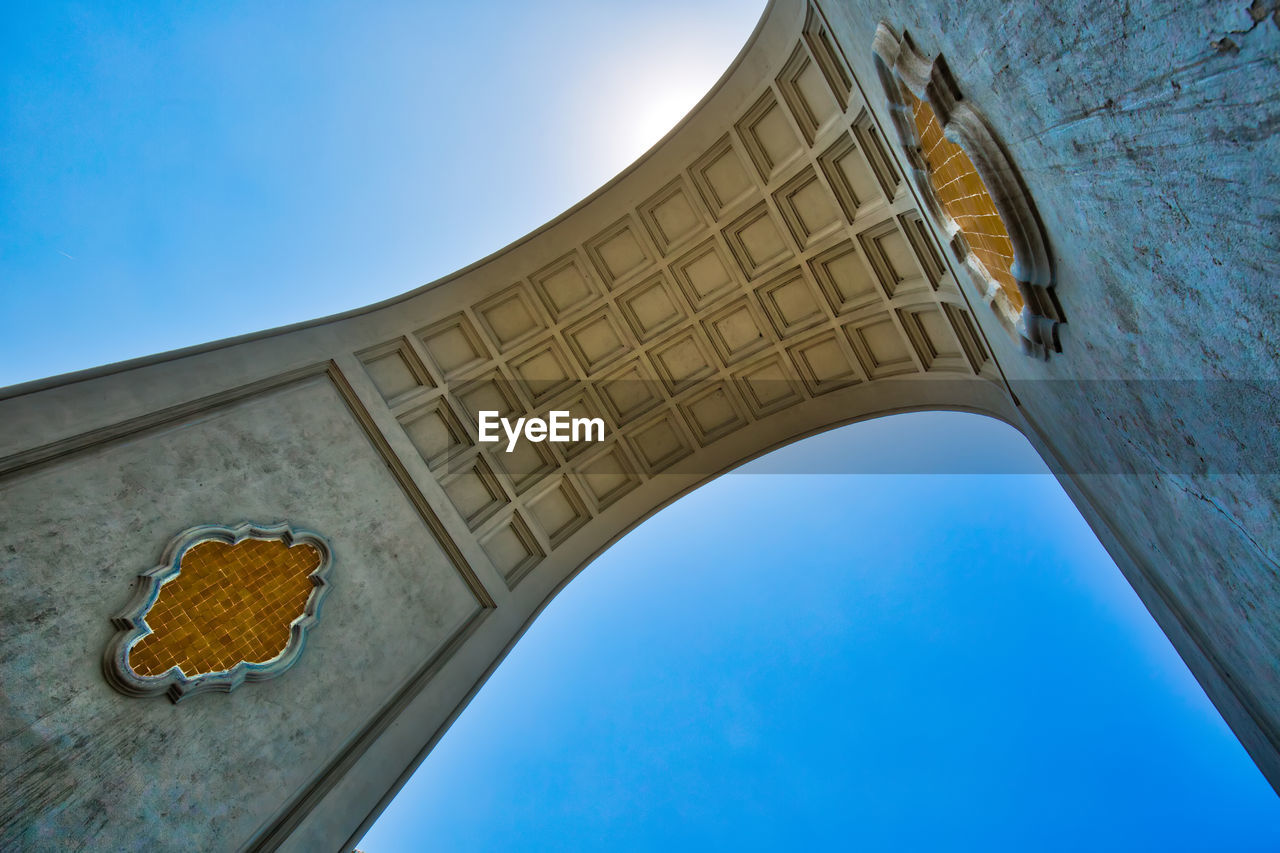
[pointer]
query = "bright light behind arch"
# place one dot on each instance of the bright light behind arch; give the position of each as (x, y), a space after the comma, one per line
(657, 108)
(372, 150)
(632, 94)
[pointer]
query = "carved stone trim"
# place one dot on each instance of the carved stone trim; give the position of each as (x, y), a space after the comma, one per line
(132, 625)
(901, 67)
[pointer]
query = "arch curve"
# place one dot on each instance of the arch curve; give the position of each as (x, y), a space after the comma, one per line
(769, 270)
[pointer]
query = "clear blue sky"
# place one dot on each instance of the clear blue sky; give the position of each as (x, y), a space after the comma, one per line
(172, 173)
(786, 661)
(728, 675)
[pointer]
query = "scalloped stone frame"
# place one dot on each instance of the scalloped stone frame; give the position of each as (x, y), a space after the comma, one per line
(902, 68)
(133, 627)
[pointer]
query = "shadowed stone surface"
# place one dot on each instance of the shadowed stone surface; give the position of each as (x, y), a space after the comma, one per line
(764, 274)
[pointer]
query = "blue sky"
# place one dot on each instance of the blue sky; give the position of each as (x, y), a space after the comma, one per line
(796, 661)
(172, 173)
(777, 659)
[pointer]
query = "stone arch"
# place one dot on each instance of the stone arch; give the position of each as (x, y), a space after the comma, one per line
(765, 272)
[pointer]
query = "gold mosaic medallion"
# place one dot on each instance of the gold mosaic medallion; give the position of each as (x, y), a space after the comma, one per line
(226, 605)
(964, 197)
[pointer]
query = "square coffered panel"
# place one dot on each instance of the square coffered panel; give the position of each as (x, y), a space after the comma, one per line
(768, 385)
(652, 307)
(807, 93)
(559, 511)
(492, 391)
(824, 363)
(564, 286)
(395, 371)
(790, 303)
(597, 340)
(713, 412)
(682, 360)
(512, 548)
(756, 241)
(704, 274)
(872, 145)
(736, 331)
(844, 279)
(475, 491)
(660, 441)
(808, 208)
(851, 177)
(672, 216)
(454, 346)
(880, 347)
(934, 339)
(722, 178)
(607, 475)
(581, 402)
(823, 48)
(526, 464)
(893, 260)
(629, 392)
(618, 252)
(543, 371)
(436, 431)
(767, 135)
(967, 332)
(922, 245)
(510, 317)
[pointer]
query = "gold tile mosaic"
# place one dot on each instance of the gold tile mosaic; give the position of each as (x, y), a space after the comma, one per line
(229, 603)
(965, 199)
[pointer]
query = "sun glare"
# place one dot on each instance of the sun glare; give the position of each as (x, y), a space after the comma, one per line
(657, 112)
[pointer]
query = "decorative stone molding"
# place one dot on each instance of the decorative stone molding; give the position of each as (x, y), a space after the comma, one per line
(174, 682)
(707, 268)
(902, 69)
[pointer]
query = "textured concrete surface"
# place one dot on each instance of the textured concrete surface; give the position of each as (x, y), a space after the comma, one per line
(755, 303)
(1147, 135)
(97, 772)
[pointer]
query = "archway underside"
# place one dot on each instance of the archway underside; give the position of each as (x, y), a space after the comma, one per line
(763, 274)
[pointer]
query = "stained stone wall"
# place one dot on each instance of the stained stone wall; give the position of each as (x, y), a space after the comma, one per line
(764, 274)
(1146, 136)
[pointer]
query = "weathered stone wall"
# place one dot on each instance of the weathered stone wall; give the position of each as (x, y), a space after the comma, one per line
(1147, 135)
(764, 274)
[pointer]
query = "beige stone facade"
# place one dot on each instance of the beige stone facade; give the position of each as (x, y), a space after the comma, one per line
(769, 271)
